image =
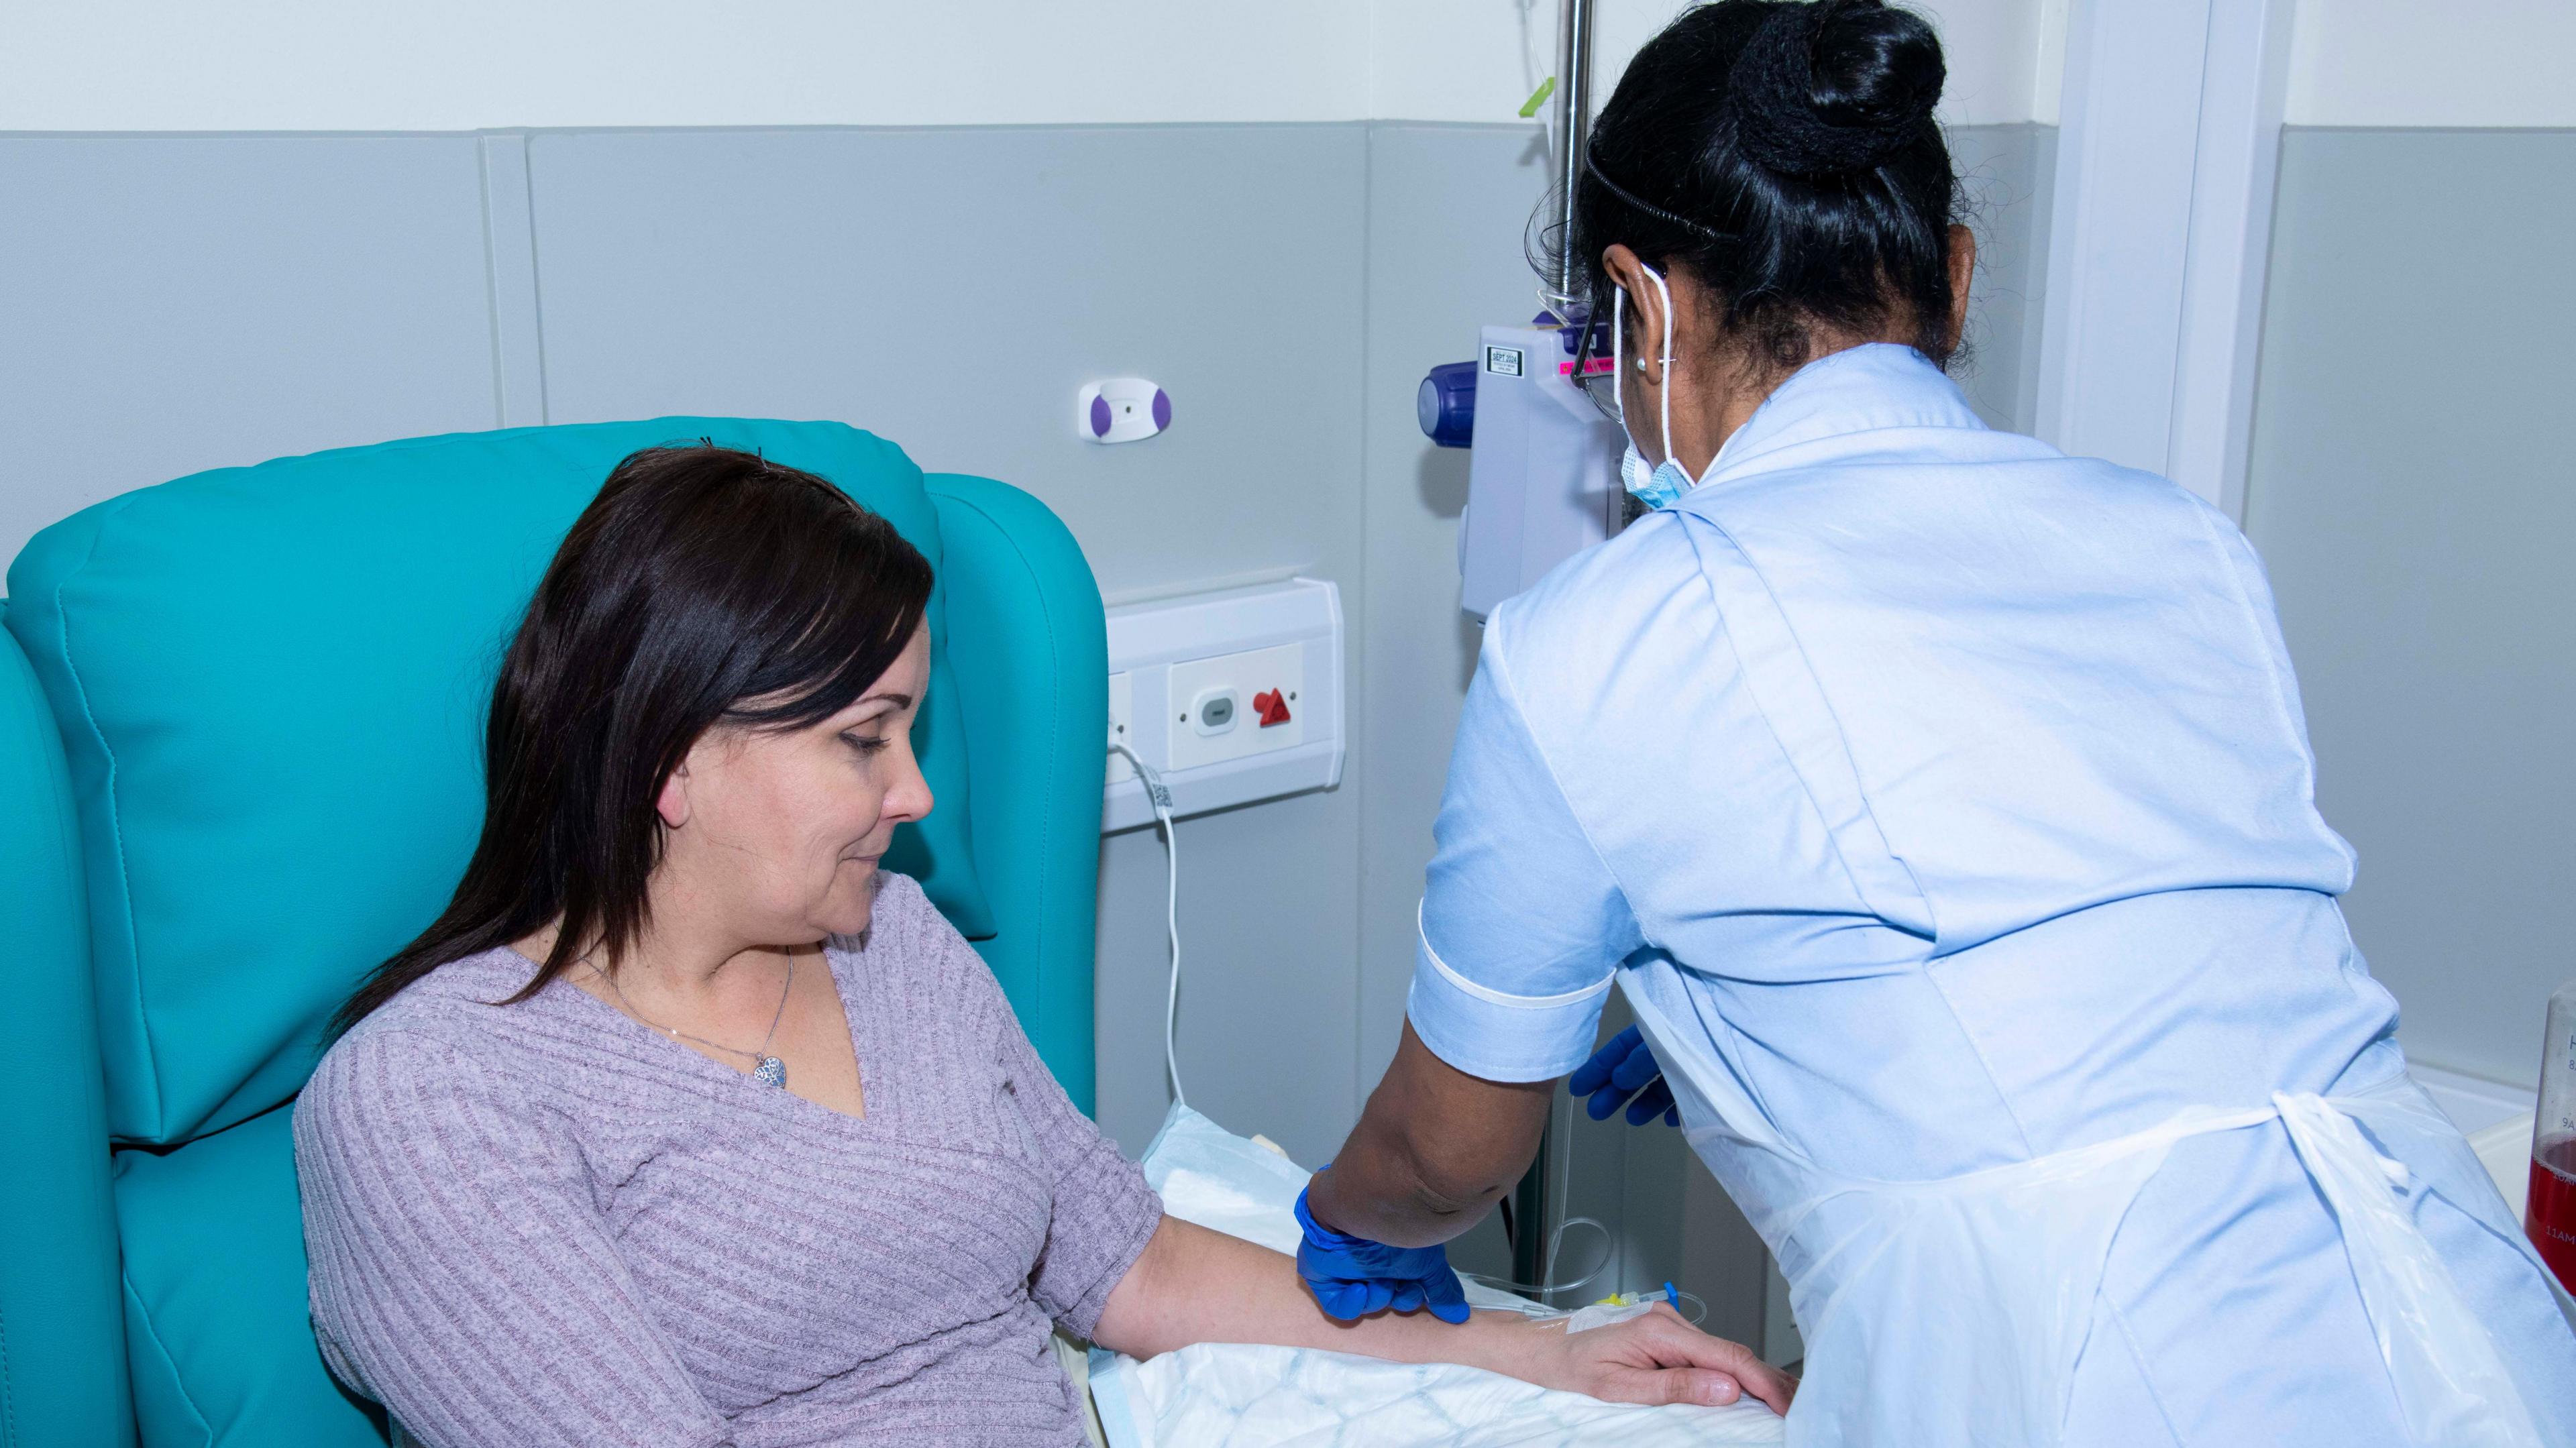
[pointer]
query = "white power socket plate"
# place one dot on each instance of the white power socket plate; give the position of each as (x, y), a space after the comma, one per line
(1240, 679)
(1122, 724)
(1169, 656)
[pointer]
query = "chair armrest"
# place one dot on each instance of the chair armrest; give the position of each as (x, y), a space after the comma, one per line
(62, 1325)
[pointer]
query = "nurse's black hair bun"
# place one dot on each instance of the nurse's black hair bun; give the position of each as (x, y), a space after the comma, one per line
(1783, 154)
(1834, 87)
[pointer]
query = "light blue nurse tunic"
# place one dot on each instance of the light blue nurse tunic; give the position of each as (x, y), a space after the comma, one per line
(1959, 790)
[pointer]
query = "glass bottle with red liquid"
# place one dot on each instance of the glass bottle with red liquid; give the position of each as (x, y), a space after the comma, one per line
(2551, 1216)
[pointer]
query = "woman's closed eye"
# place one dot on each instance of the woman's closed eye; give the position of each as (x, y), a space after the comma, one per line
(865, 744)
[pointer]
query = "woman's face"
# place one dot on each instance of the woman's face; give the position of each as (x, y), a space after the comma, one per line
(773, 838)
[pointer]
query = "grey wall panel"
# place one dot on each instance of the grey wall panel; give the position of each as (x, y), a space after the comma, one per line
(1446, 209)
(174, 303)
(2006, 174)
(1268, 897)
(2412, 494)
(951, 290)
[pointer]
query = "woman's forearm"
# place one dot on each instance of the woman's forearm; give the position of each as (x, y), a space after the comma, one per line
(1194, 1285)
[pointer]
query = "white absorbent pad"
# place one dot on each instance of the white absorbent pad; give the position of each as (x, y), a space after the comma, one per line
(1277, 1397)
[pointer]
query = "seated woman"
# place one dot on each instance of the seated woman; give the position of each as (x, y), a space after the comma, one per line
(687, 1125)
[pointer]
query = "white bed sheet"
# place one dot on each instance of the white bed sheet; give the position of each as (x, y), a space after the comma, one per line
(1233, 1396)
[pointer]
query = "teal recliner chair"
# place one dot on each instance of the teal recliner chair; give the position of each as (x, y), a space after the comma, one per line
(240, 723)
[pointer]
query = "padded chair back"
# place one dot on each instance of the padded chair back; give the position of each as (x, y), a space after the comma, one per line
(265, 690)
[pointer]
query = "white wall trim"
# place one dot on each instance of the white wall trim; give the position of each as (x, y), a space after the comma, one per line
(510, 268)
(326, 65)
(2244, 83)
(2166, 160)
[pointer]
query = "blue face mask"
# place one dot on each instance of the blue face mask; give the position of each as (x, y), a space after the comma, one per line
(1656, 487)
(1663, 484)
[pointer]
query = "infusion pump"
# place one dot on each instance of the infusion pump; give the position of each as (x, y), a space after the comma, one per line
(1543, 479)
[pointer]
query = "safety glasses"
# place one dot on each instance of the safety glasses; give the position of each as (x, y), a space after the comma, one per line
(1597, 375)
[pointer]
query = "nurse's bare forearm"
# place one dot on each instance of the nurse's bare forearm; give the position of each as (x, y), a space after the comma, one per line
(1433, 1152)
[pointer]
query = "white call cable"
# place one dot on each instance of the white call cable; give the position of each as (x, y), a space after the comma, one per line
(1160, 797)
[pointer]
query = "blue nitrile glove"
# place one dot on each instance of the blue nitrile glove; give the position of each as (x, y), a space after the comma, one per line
(1352, 1277)
(1615, 1072)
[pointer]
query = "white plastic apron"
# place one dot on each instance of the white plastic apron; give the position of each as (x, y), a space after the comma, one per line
(1984, 1283)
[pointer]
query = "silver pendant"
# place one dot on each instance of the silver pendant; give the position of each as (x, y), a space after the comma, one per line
(771, 1072)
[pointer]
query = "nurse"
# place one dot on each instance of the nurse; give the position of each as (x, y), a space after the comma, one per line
(1942, 806)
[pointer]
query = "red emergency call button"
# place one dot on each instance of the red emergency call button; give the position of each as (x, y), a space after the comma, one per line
(1272, 706)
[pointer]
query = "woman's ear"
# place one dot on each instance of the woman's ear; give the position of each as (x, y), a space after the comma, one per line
(673, 803)
(1963, 268)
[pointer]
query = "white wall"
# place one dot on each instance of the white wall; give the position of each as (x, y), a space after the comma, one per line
(143, 65)
(467, 64)
(1477, 60)
(2503, 63)
(303, 65)
(2420, 63)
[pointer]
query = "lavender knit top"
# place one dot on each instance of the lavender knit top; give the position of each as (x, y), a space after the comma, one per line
(547, 1224)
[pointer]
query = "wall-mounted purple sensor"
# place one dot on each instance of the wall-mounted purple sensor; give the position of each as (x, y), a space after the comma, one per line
(1123, 409)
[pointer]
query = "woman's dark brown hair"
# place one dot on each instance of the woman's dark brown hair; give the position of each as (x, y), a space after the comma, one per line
(703, 586)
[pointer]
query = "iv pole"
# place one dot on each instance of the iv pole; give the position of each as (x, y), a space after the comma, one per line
(1533, 1215)
(1573, 106)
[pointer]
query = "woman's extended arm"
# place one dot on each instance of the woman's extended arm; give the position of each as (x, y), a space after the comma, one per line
(1194, 1285)
(1187, 1284)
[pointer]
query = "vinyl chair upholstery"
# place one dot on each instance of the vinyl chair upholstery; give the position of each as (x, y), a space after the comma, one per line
(240, 723)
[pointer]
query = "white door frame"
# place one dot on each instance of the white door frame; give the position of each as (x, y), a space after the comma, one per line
(2168, 150)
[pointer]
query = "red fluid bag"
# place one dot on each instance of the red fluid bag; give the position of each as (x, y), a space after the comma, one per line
(2550, 1217)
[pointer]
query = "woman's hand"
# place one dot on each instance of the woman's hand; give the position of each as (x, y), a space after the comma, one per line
(1654, 1359)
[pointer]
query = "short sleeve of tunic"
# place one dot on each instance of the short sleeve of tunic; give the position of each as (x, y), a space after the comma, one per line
(1522, 923)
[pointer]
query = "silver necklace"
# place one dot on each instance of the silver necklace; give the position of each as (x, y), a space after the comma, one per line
(767, 1069)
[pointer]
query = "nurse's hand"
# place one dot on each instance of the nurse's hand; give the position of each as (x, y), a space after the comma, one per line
(1353, 1277)
(1657, 1359)
(1616, 1072)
